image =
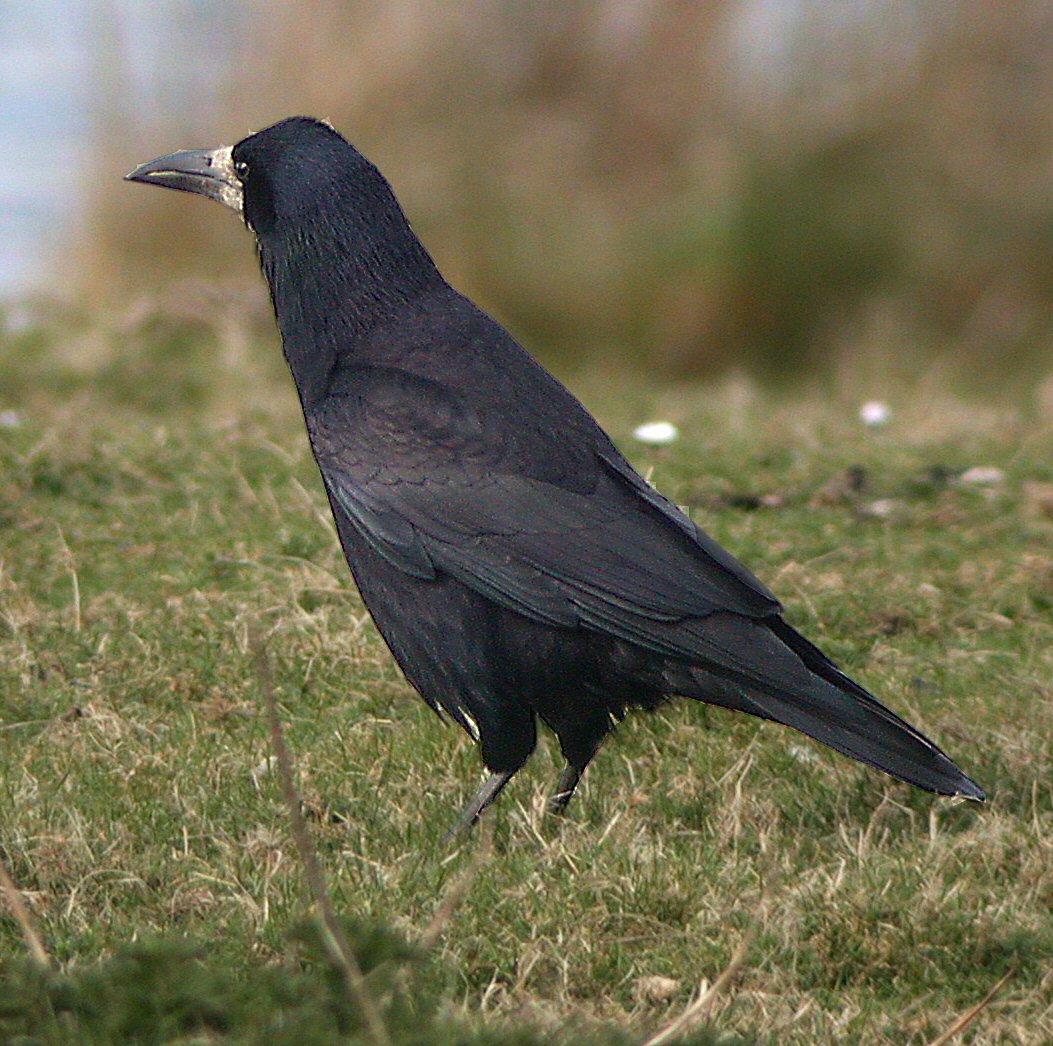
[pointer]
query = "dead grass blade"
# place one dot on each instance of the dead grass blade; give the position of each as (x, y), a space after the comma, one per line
(458, 889)
(71, 566)
(333, 935)
(701, 1006)
(970, 1015)
(20, 910)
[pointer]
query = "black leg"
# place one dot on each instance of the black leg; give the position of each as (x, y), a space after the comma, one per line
(568, 781)
(480, 801)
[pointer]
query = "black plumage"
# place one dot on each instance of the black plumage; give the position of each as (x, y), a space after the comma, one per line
(515, 563)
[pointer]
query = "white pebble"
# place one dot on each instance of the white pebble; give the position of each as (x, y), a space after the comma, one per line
(9, 419)
(982, 476)
(657, 433)
(802, 754)
(883, 508)
(875, 414)
(655, 988)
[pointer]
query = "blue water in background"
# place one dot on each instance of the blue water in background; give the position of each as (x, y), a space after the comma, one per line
(55, 56)
(44, 95)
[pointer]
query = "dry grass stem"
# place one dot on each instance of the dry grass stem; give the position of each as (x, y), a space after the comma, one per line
(16, 902)
(74, 580)
(701, 1006)
(970, 1015)
(333, 935)
(458, 889)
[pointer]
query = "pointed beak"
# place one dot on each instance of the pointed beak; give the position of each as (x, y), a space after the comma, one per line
(209, 172)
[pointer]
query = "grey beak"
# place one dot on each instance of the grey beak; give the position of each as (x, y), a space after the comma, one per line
(208, 172)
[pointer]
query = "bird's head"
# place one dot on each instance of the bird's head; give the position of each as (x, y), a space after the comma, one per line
(333, 241)
(275, 177)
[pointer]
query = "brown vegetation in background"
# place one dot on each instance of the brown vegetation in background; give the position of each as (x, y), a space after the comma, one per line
(699, 186)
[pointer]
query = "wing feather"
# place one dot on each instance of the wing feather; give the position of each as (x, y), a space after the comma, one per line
(584, 543)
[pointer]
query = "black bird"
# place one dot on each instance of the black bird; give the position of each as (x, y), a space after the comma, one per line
(516, 564)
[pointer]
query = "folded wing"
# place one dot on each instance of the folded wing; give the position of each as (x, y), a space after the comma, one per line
(593, 545)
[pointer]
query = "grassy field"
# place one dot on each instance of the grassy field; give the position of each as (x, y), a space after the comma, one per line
(158, 507)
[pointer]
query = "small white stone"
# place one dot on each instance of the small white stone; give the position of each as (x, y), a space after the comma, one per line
(802, 754)
(883, 508)
(657, 433)
(874, 413)
(655, 988)
(982, 476)
(9, 419)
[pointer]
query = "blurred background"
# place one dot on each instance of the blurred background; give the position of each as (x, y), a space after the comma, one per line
(781, 188)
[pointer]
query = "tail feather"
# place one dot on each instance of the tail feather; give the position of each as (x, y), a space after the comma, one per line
(768, 669)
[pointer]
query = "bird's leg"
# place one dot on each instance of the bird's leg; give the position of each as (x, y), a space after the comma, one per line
(480, 801)
(568, 781)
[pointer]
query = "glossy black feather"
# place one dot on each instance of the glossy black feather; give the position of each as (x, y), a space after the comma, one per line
(515, 563)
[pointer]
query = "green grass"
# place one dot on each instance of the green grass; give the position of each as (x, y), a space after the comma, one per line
(158, 505)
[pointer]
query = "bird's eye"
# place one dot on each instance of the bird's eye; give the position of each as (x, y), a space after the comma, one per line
(241, 169)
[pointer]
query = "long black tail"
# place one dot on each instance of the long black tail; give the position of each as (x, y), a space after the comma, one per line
(768, 669)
